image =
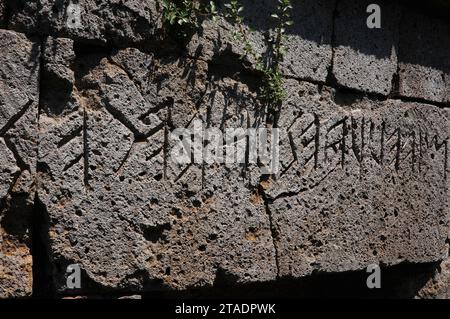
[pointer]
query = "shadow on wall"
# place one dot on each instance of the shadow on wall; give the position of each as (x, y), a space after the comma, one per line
(401, 281)
(411, 28)
(313, 21)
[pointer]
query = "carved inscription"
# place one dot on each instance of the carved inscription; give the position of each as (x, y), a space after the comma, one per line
(340, 140)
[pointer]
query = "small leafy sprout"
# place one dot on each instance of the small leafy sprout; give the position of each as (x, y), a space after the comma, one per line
(185, 15)
(180, 12)
(211, 10)
(272, 91)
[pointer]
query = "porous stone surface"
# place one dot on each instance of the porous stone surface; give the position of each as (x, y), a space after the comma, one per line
(424, 64)
(365, 58)
(119, 206)
(309, 39)
(19, 97)
(115, 21)
(362, 179)
(94, 96)
(437, 287)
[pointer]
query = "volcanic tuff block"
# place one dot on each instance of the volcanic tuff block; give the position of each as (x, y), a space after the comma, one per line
(424, 59)
(368, 183)
(120, 207)
(309, 39)
(116, 21)
(19, 96)
(365, 59)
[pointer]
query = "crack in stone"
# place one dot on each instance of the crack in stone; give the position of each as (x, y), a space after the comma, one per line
(274, 233)
(39, 223)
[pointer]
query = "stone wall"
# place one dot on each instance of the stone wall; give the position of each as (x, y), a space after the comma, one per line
(91, 90)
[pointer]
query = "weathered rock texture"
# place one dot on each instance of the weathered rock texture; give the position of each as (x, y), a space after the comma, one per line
(309, 39)
(438, 287)
(360, 180)
(90, 92)
(365, 59)
(114, 21)
(424, 63)
(111, 195)
(19, 98)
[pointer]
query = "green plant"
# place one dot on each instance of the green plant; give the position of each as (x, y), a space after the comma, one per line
(185, 15)
(272, 91)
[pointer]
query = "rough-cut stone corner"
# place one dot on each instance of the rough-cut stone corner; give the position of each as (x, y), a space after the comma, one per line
(365, 59)
(363, 182)
(19, 97)
(424, 59)
(437, 287)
